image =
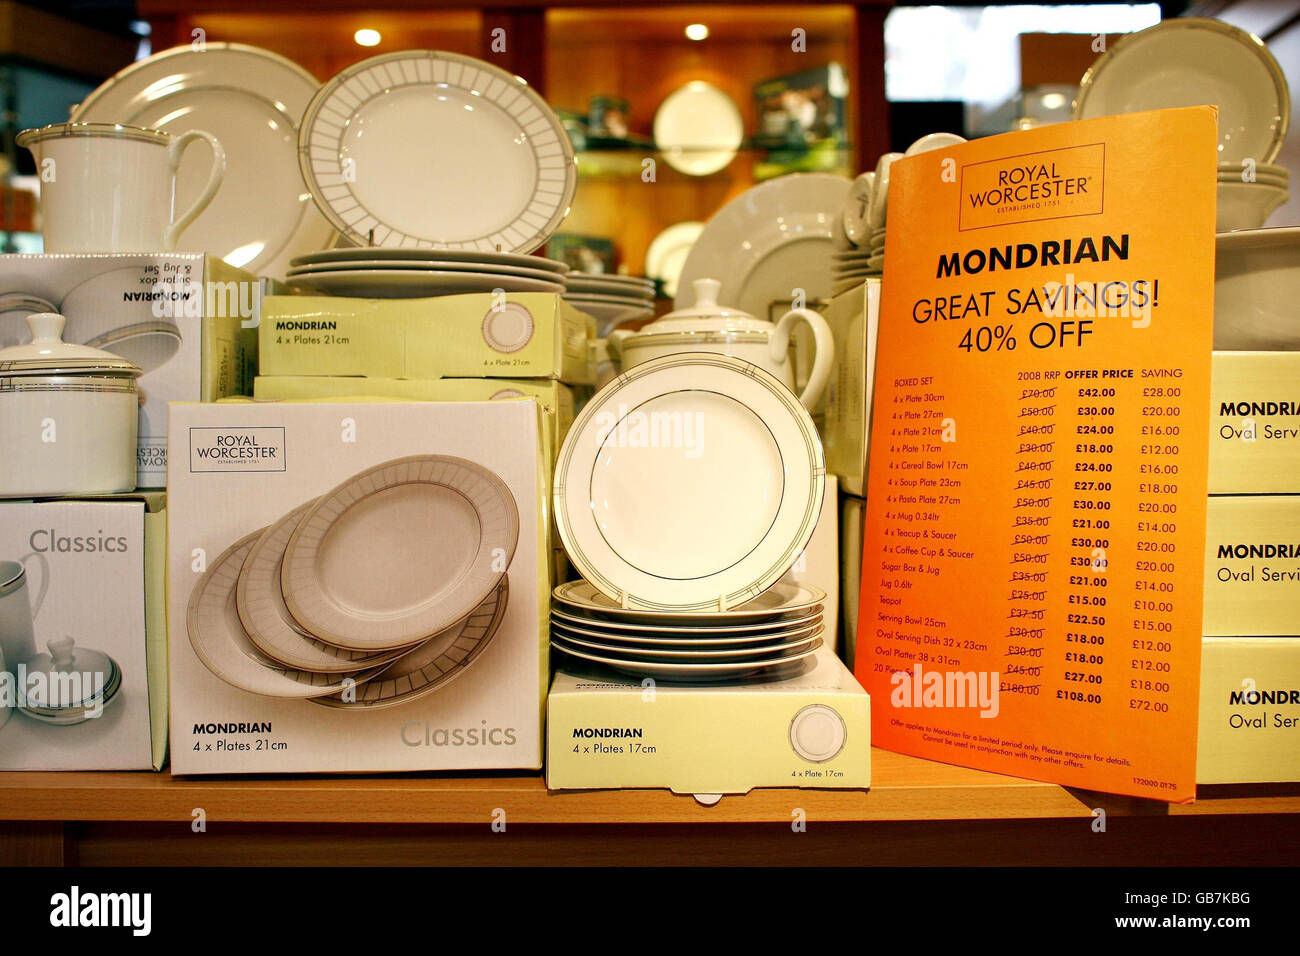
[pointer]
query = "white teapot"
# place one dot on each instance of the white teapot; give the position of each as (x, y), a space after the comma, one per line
(709, 327)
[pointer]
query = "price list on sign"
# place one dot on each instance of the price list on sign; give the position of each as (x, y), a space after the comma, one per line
(1033, 554)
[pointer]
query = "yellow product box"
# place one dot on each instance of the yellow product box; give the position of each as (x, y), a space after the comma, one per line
(1250, 710)
(187, 319)
(1252, 565)
(853, 317)
(555, 398)
(85, 579)
(1255, 423)
(479, 335)
(606, 731)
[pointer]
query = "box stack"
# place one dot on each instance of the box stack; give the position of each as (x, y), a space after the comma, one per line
(83, 412)
(1250, 665)
(854, 317)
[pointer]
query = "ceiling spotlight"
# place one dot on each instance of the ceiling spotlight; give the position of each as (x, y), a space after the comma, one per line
(697, 31)
(367, 37)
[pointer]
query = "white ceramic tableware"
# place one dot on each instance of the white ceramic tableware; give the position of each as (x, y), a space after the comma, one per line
(106, 187)
(1256, 288)
(856, 214)
(933, 141)
(796, 644)
(221, 643)
(698, 128)
(751, 669)
(395, 257)
(437, 266)
(667, 252)
(709, 327)
(400, 551)
(769, 241)
(880, 196)
(68, 416)
(669, 634)
(1194, 61)
(779, 604)
(692, 482)
(1247, 205)
(436, 662)
(251, 100)
(18, 609)
(414, 283)
(430, 149)
(75, 685)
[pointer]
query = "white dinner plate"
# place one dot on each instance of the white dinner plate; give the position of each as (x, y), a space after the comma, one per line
(724, 633)
(251, 100)
(599, 298)
(636, 282)
(267, 620)
(779, 604)
(434, 663)
(400, 551)
(395, 256)
(610, 315)
(667, 254)
(693, 673)
(414, 283)
(1193, 61)
(632, 653)
(431, 149)
(767, 242)
(691, 482)
(221, 643)
(698, 128)
(422, 265)
(597, 287)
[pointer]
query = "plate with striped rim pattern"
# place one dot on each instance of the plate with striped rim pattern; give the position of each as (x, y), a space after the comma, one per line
(221, 643)
(400, 551)
(428, 149)
(434, 663)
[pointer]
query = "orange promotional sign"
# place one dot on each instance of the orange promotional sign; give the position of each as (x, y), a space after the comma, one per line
(1033, 555)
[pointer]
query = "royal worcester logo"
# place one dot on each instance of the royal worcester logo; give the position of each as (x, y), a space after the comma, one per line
(1053, 184)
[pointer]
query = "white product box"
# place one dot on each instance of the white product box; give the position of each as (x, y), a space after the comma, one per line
(93, 572)
(416, 505)
(187, 319)
(606, 731)
(819, 564)
(854, 318)
(1250, 710)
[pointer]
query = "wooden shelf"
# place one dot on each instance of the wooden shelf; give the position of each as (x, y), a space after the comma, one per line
(905, 789)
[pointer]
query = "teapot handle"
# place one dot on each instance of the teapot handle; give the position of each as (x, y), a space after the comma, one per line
(823, 357)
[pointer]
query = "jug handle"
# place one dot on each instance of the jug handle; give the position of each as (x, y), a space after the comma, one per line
(45, 580)
(823, 357)
(215, 176)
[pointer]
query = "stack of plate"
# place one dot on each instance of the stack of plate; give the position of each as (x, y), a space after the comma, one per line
(323, 605)
(684, 492)
(1190, 61)
(611, 300)
(860, 236)
(381, 273)
(772, 636)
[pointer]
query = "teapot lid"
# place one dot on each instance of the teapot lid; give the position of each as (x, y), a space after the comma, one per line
(48, 354)
(706, 315)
